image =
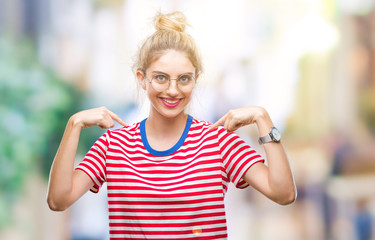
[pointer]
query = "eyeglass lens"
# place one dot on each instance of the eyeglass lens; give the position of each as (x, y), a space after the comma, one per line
(162, 82)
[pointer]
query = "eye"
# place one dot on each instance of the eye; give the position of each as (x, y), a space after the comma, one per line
(185, 79)
(160, 78)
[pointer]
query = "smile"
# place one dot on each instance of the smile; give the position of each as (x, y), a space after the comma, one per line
(169, 102)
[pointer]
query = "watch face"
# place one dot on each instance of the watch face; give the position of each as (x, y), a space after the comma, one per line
(276, 134)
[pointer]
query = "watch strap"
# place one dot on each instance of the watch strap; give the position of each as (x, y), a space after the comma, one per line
(265, 139)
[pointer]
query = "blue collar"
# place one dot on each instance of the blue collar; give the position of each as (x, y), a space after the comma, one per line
(172, 149)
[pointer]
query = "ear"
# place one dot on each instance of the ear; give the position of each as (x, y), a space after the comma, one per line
(141, 78)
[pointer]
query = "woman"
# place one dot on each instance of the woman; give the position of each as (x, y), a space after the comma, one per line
(167, 175)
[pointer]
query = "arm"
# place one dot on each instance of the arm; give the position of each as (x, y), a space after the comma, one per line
(275, 180)
(66, 185)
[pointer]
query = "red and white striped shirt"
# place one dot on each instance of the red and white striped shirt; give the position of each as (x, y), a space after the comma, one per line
(173, 194)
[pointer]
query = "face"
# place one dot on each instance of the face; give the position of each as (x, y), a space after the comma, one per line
(171, 102)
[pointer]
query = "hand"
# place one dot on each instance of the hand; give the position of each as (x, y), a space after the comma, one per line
(240, 117)
(101, 117)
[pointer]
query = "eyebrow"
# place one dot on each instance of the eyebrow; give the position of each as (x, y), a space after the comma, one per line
(159, 72)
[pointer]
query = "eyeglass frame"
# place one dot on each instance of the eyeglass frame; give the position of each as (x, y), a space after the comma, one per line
(170, 79)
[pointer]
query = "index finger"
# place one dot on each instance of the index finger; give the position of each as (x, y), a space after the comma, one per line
(115, 117)
(218, 122)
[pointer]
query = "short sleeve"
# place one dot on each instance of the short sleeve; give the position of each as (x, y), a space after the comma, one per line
(94, 162)
(237, 156)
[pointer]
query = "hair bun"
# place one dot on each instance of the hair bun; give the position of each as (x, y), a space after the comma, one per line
(172, 21)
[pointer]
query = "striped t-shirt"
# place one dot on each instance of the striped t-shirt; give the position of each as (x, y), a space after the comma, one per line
(172, 194)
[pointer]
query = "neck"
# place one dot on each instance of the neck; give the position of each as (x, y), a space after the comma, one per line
(158, 125)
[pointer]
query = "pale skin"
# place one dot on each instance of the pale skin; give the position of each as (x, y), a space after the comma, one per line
(65, 185)
(275, 180)
(164, 127)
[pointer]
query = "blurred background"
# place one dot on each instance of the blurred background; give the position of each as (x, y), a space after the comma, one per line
(310, 63)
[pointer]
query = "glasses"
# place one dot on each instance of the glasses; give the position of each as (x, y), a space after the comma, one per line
(161, 82)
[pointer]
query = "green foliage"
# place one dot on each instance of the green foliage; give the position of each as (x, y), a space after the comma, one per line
(34, 108)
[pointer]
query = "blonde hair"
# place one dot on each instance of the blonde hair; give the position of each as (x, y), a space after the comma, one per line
(170, 34)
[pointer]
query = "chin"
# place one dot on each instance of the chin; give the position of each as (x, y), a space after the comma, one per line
(172, 114)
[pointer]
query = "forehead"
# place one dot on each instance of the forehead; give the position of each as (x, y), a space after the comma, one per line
(172, 62)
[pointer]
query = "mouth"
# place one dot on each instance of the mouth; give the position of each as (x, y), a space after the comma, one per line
(171, 102)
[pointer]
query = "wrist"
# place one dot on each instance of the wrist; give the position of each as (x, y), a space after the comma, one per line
(260, 115)
(273, 136)
(263, 121)
(76, 122)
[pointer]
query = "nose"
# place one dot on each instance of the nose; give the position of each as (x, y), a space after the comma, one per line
(173, 87)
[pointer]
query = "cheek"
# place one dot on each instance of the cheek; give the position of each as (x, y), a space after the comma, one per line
(189, 96)
(151, 93)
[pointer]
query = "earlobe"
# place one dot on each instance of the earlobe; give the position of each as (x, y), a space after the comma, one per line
(141, 79)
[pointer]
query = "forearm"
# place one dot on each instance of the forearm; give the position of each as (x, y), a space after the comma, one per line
(275, 180)
(66, 186)
(280, 178)
(61, 175)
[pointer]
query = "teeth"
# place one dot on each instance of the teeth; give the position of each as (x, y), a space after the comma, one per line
(170, 102)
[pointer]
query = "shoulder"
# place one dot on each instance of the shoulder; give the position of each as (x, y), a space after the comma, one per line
(219, 135)
(127, 131)
(200, 125)
(219, 132)
(204, 127)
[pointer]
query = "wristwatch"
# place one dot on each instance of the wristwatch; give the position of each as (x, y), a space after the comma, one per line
(273, 136)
